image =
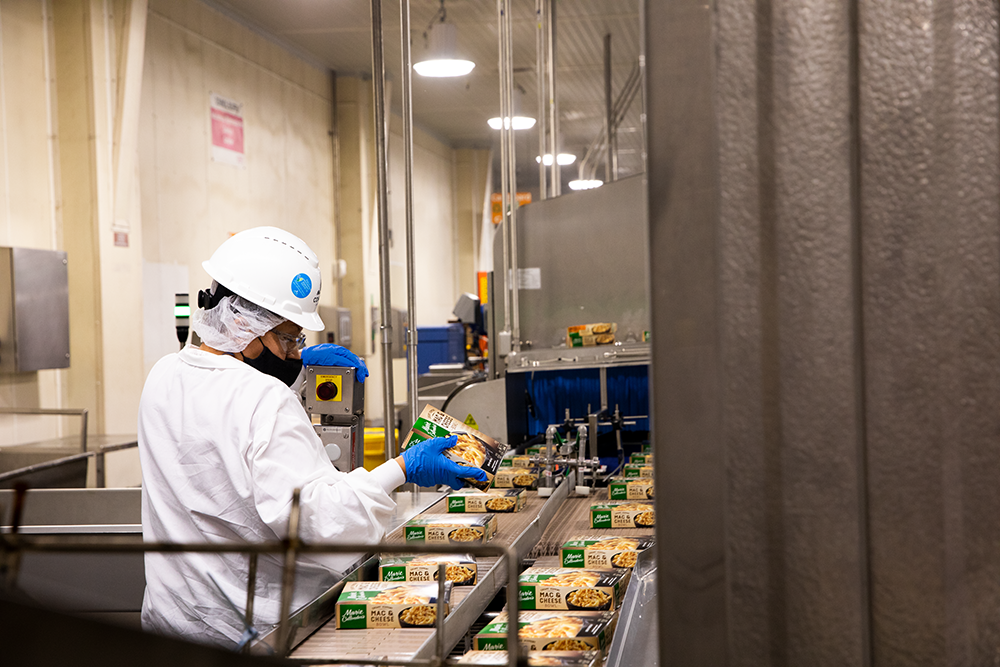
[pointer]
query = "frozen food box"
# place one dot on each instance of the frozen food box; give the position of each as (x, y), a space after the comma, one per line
(451, 528)
(585, 335)
(535, 658)
(641, 459)
(519, 461)
(602, 552)
(622, 515)
(630, 471)
(493, 500)
(637, 488)
(572, 588)
(551, 631)
(473, 449)
(460, 568)
(517, 478)
(383, 604)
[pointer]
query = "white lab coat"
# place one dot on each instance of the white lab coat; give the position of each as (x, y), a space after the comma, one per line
(222, 447)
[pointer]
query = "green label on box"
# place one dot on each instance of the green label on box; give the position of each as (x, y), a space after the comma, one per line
(600, 518)
(394, 573)
(416, 534)
(412, 440)
(456, 504)
(527, 597)
(572, 558)
(492, 644)
(430, 428)
(618, 492)
(353, 616)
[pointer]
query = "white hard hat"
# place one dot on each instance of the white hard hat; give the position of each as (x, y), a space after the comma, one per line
(273, 269)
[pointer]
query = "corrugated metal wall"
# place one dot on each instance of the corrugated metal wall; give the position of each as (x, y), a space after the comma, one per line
(825, 236)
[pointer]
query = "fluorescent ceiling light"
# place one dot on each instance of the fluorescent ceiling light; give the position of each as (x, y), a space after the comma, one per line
(520, 123)
(441, 59)
(562, 159)
(584, 184)
(444, 68)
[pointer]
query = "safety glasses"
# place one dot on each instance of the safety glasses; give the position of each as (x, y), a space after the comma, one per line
(290, 342)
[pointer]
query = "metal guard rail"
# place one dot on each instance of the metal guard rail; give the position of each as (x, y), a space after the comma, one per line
(97, 454)
(12, 545)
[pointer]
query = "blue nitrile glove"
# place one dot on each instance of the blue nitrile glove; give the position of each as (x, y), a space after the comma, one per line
(426, 465)
(329, 354)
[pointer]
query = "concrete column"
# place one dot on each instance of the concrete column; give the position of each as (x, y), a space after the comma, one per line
(824, 200)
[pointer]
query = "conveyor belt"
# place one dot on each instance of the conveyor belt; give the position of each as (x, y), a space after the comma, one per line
(572, 519)
(521, 530)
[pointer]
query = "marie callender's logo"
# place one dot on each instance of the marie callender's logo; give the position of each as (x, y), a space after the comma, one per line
(352, 615)
(415, 534)
(572, 558)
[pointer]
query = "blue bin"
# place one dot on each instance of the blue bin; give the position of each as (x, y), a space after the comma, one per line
(440, 345)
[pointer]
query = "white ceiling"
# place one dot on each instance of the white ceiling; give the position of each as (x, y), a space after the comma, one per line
(337, 34)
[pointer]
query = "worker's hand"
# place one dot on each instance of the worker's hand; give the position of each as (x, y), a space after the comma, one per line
(425, 464)
(329, 354)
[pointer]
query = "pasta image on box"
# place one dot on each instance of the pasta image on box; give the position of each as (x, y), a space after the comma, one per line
(551, 631)
(493, 500)
(519, 461)
(603, 552)
(585, 335)
(630, 471)
(473, 449)
(645, 458)
(460, 568)
(570, 588)
(535, 658)
(638, 488)
(622, 515)
(517, 478)
(451, 528)
(380, 604)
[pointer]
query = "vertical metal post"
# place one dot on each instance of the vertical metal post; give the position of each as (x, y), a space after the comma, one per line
(411, 288)
(540, 92)
(83, 431)
(385, 289)
(251, 591)
(439, 648)
(608, 120)
(101, 479)
(505, 120)
(511, 167)
(555, 176)
(285, 634)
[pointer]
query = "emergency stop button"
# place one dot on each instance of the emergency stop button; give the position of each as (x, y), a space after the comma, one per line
(327, 391)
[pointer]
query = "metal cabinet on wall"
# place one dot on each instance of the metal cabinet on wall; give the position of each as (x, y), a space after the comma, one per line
(34, 310)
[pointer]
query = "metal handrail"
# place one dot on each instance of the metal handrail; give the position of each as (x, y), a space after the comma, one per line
(97, 454)
(81, 413)
(12, 545)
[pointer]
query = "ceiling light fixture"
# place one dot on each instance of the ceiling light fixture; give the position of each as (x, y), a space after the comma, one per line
(562, 159)
(520, 123)
(585, 184)
(441, 59)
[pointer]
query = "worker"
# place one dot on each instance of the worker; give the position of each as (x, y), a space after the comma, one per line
(223, 441)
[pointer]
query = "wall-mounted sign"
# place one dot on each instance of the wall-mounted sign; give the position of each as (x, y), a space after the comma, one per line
(496, 200)
(227, 131)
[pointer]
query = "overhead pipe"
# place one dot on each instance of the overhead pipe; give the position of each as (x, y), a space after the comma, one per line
(385, 289)
(512, 182)
(503, 344)
(609, 128)
(555, 176)
(411, 288)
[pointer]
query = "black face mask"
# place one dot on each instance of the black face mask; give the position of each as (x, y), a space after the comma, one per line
(267, 362)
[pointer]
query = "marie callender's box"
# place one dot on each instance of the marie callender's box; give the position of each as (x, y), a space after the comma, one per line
(603, 552)
(622, 515)
(473, 448)
(573, 589)
(646, 458)
(455, 529)
(631, 471)
(535, 658)
(383, 604)
(460, 569)
(492, 500)
(636, 488)
(551, 631)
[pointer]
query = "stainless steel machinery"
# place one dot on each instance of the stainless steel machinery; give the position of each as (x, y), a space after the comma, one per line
(336, 401)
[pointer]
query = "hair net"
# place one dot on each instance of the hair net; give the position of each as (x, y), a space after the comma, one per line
(233, 324)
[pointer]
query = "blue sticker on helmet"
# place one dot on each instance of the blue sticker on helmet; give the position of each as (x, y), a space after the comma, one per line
(301, 285)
